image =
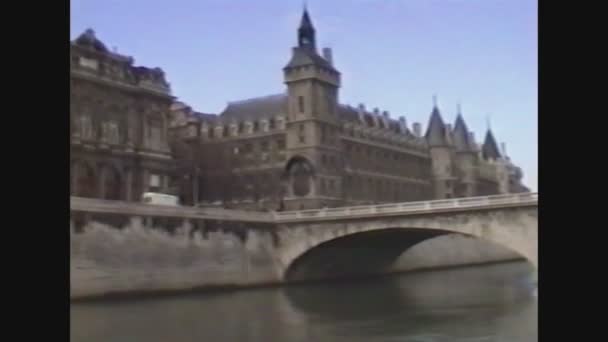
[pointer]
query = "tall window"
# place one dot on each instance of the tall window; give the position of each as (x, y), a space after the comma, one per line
(154, 180)
(86, 127)
(302, 135)
(154, 133)
(113, 136)
(329, 99)
(301, 104)
(154, 136)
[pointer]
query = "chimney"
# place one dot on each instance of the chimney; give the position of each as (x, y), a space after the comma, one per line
(417, 129)
(376, 111)
(503, 147)
(385, 114)
(327, 55)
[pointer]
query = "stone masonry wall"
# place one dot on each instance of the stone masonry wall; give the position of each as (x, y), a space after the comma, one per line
(135, 259)
(104, 259)
(452, 250)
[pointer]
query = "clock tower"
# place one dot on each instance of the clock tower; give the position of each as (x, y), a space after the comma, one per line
(313, 129)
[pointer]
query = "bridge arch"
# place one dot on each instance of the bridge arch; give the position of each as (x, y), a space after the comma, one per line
(314, 251)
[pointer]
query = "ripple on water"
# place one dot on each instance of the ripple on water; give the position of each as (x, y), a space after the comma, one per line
(469, 305)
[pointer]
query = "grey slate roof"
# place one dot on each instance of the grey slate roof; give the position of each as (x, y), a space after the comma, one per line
(461, 135)
(303, 57)
(435, 133)
(269, 106)
(256, 108)
(348, 113)
(207, 117)
(490, 150)
(306, 23)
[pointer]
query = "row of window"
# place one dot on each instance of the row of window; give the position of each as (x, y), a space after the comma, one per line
(256, 126)
(112, 132)
(264, 145)
(383, 190)
(328, 187)
(241, 186)
(412, 142)
(330, 162)
(377, 159)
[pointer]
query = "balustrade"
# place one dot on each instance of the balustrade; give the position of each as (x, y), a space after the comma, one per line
(95, 205)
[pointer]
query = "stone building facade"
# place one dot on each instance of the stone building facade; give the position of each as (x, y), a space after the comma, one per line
(119, 117)
(304, 149)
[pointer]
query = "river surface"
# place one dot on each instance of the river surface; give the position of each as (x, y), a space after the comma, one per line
(489, 303)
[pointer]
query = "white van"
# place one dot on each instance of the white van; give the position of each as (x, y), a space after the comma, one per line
(156, 198)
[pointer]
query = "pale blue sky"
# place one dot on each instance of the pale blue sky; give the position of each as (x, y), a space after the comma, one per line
(393, 54)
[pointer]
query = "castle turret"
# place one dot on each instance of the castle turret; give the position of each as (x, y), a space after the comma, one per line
(466, 155)
(491, 154)
(437, 137)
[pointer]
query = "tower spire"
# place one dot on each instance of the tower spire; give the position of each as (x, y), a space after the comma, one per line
(434, 100)
(306, 32)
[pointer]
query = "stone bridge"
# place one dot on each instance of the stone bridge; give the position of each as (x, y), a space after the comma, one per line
(121, 246)
(361, 240)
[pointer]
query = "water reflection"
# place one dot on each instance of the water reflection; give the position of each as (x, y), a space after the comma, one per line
(477, 304)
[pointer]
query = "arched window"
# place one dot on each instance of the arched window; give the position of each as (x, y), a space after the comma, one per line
(85, 182)
(300, 173)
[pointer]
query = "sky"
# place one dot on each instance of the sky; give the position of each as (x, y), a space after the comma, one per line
(393, 54)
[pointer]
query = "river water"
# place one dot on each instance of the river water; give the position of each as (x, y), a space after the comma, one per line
(489, 303)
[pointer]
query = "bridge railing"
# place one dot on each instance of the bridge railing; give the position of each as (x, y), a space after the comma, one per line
(133, 208)
(405, 207)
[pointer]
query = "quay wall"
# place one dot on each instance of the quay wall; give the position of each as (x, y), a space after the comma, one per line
(130, 256)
